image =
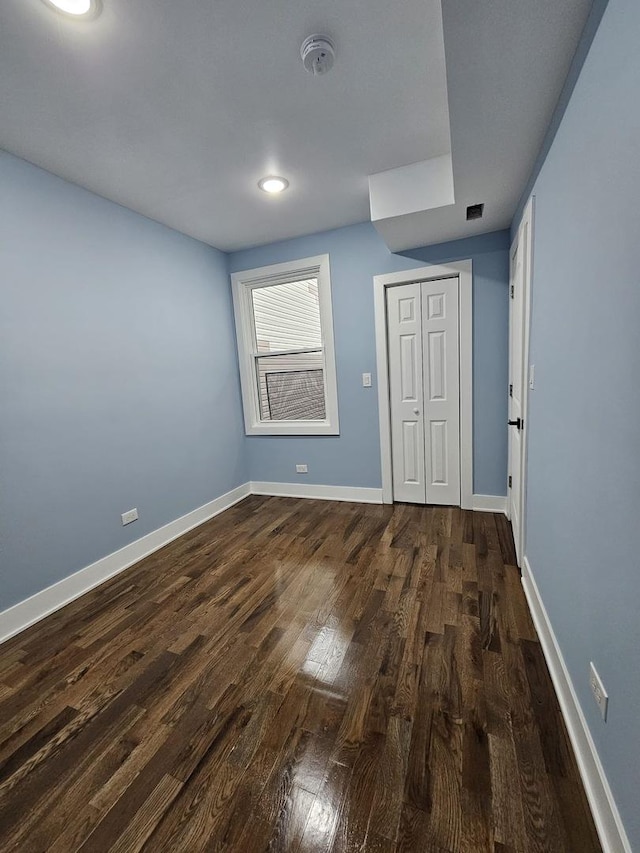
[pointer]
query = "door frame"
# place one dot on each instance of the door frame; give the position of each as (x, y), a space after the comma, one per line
(463, 271)
(527, 278)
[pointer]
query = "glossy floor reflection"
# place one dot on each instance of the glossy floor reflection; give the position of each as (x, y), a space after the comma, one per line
(294, 676)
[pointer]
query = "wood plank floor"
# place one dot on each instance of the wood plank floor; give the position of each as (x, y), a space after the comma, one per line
(294, 676)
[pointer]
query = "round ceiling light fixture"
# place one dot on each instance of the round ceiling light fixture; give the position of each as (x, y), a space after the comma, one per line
(273, 184)
(318, 54)
(79, 9)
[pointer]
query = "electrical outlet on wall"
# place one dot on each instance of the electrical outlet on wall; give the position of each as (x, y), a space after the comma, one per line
(301, 469)
(599, 693)
(129, 516)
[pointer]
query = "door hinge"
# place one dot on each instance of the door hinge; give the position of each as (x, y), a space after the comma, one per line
(512, 291)
(511, 390)
(509, 480)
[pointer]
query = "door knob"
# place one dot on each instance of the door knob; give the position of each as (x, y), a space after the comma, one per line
(416, 411)
(517, 423)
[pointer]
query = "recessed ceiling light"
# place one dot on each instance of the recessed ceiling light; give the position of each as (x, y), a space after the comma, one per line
(273, 184)
(76, 8)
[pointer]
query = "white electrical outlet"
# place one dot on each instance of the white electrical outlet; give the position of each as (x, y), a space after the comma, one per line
(366, 380)
(599, 693)
(301, 469)
(129, 516)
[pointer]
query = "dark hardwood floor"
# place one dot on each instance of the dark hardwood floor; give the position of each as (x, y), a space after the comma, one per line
(294, 676)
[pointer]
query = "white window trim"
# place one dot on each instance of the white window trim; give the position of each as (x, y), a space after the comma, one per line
(242, 284)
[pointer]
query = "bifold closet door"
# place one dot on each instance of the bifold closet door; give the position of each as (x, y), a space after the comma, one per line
(424, 383)
(441, 371)
(404, 321)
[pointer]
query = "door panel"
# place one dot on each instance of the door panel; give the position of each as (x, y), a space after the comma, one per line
(517, 381)
(437, 366)
(405, 390)
(424, 391)
(412, 472)
(441, 368)
(439, 452)
(409, 364)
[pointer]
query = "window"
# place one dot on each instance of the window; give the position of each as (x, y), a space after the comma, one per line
(284, 328)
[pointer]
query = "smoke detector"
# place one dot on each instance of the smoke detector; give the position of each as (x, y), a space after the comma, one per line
(317, 54)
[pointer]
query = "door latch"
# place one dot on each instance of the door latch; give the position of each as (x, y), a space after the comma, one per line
(517, 423)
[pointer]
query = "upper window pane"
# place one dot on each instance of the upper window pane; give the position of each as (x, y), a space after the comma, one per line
(287, 316)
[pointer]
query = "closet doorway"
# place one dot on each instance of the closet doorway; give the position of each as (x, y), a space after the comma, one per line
(424, 396)
(424, 335)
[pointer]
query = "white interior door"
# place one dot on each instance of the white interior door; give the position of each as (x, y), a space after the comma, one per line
(404, 318)
(518, 378)
(424, 379)
(441, 372)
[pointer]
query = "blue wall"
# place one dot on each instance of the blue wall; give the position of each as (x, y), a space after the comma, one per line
(119, 383)
(118, 378)
(357, 253)
(584, 417)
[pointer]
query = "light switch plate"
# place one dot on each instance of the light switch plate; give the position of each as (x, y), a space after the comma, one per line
(532, 377)
(366, 380)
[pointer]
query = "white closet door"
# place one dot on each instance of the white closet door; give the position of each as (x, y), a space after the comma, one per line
(404, 320)
(441, 372)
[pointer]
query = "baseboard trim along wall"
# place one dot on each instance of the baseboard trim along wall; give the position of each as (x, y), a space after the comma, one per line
(26, 613)
(605, 812)
(357, 494)
(489, 503)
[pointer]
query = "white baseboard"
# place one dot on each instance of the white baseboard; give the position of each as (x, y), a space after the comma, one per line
(489, 503)
(33, 609)
(357, 494)
(605, 812)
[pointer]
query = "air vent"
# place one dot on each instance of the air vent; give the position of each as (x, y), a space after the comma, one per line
(475, 211)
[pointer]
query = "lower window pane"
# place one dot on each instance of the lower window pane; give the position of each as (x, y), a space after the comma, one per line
(291, 387)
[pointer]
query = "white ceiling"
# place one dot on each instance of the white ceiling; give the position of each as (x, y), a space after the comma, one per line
(175, 108)
(507, 61)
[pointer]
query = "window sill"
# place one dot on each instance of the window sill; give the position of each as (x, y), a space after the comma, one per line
(293, 428)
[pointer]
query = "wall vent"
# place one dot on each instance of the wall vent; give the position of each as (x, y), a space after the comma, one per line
(475, 211)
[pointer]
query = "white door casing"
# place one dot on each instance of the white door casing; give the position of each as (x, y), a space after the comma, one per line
(516, 391)
(424, 391)
(519, 309)
(463, 270)
(406, 383)
(441, 372)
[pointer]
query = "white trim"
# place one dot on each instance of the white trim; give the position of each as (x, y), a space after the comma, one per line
(357, 494)
(33, 609)
(527, 279)
(489, 503)
(463, 270)
(384, 408)
(605, 812)
(242, 283)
